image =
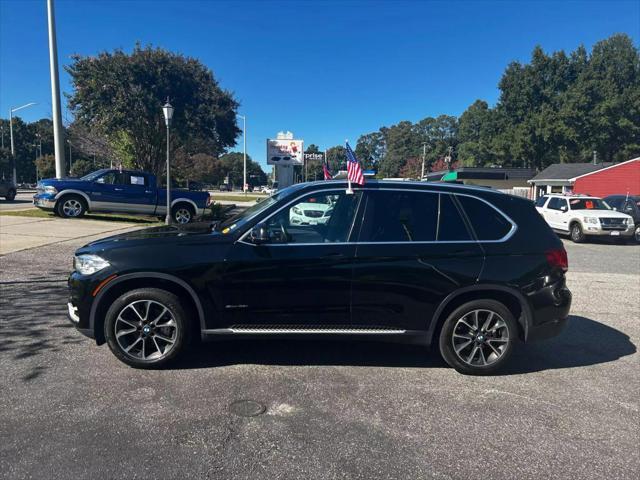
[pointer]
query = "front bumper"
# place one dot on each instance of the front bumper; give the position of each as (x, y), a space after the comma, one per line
(598, 231)
(44, 201)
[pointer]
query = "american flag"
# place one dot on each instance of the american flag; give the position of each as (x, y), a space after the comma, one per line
(354, 170)
(327, 173)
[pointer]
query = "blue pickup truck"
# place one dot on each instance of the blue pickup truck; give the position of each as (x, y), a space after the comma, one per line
(122, 191)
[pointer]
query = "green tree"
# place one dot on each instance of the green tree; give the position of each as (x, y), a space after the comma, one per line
(120, 95)
(46, 166)
(232, 165)
(336, 159)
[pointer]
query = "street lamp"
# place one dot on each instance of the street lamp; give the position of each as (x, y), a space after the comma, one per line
(244, 148)
(167, 110)
(13, 151)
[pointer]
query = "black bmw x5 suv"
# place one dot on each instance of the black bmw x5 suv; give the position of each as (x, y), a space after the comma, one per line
(470, 270)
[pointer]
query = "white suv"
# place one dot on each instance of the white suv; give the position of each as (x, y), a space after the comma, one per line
(582, 216)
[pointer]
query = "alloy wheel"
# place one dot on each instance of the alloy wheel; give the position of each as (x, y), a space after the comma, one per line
(72, 207)
(182, 215)
(146, 330)
(480, 338)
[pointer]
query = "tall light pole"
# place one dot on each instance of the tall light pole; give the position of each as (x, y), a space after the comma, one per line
(58, 132)
(13, 151)
(69, 142)
(167, 110)
(424, 157)
(244, 149)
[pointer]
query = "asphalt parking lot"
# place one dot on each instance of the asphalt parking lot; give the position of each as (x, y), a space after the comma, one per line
(566, 408)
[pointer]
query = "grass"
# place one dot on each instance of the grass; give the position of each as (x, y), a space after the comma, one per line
(236, 198)
(105, 217)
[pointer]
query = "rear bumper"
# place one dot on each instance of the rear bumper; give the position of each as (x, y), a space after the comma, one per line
(550, 308)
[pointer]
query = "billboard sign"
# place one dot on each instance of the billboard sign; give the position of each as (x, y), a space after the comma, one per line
(285, 152)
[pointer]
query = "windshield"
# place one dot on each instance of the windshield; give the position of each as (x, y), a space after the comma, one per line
(588, 204)
(243, 217)
(93, 175)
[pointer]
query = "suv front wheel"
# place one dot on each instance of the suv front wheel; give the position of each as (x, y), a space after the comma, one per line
(146, 328)
(477, 338)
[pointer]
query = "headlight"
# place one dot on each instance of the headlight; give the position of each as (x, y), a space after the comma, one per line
(297, 211)
(89, 264)
(590, 220)
(50, 189)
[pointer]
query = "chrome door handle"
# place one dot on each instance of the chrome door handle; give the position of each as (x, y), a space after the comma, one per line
(118, 189)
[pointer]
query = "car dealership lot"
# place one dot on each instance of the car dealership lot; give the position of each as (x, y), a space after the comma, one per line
(565, 408)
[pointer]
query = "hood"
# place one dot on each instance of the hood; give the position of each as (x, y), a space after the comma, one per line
(61, 182)
(166, 234)
(600, 213)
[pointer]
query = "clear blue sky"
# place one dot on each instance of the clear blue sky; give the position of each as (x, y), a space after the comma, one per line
(324, 70)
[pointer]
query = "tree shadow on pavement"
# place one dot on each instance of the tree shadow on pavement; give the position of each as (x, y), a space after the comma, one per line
(584, 342)
(32, 325)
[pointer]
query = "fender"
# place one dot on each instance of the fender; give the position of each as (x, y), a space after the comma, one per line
(524, 321)
(162, 276)
(75, 192)
(186, 200)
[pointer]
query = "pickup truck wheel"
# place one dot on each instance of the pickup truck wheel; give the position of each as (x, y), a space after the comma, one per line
(182, 213)
(11, 195)
(71, 206)
(577, 235)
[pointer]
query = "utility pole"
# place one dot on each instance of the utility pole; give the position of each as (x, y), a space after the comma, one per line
(244, 150)
(58, 132)
(424, 157)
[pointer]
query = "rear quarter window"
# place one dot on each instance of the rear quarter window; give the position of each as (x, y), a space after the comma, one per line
(486, 221)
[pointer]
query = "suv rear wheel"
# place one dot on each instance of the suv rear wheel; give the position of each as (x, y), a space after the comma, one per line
(146, 328)
(577, 235)
(477, 338)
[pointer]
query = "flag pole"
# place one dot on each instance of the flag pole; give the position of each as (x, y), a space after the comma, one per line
(349, 189)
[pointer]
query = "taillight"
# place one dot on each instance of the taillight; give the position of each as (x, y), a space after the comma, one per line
(558, 258)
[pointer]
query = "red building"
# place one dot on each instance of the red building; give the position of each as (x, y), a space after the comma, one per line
(620, 178)
(599, 180)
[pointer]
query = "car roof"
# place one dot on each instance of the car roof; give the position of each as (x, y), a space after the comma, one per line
(408, 184)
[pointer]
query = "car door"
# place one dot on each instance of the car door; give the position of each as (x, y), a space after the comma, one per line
(414, 248)
(562, 215)
(135, 193)
(552, 212)
(106, 191)
(300, 278)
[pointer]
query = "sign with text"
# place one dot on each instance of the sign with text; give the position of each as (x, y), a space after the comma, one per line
(314, 157)
(285, 152)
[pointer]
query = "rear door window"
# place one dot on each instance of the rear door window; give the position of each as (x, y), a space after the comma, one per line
(541, 201)
(487, 222)
(451, 226)
(400, 216)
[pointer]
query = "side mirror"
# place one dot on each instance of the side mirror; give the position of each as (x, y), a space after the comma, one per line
(260, 234)
(563, 208)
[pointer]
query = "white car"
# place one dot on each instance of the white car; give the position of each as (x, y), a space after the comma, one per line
(316, 213)
(582, 216)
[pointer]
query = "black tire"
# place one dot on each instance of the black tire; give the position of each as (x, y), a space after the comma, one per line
(120, 316)
(71, 206)
(636, 235)
(577, 235)
(182, 213)
(11, 195)
(485, 341)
